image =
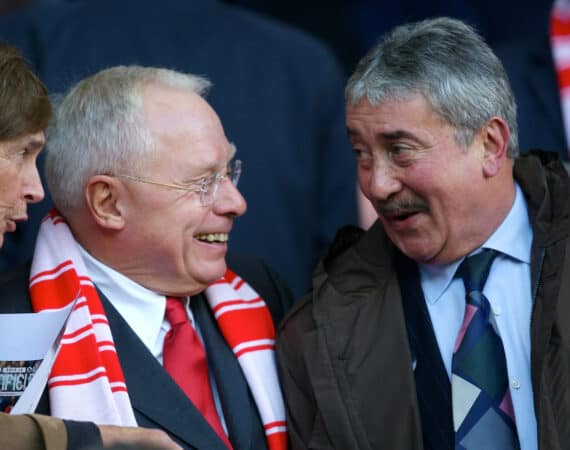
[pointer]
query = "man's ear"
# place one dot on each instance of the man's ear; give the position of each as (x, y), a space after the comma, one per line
(103, 198)
(495, 136)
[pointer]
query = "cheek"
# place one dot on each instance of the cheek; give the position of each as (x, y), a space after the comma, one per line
(9, 185)
(190, 221)
(364, 177)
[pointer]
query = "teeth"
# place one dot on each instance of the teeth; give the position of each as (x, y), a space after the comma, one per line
(213, 237)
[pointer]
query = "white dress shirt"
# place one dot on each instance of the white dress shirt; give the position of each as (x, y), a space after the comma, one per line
(509, 292)
(143, 309)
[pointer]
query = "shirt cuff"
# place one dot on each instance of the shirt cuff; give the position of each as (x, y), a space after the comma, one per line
(82, 434)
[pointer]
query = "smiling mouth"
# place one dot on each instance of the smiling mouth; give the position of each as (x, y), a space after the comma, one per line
(397, 211)
(211, 238)
(401, 216)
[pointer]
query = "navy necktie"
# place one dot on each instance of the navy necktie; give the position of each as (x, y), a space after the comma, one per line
(483, 415)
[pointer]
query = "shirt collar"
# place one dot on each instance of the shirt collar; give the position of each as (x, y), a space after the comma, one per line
(142, 308)
(513, 238)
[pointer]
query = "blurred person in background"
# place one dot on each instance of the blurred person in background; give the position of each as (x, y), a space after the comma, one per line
(538, 68)
(277, 91)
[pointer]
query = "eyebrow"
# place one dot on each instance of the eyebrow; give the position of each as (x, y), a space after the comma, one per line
(398, 134)
(391, 136)
(213, 167)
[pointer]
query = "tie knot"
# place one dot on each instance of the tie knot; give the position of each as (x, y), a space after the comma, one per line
(175, 311)
(475, 269)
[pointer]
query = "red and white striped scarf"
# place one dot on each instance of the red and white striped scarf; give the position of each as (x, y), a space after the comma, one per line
(87, 382)
(560, 43)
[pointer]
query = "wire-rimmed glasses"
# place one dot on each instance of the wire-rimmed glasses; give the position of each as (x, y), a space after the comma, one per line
(207, 187)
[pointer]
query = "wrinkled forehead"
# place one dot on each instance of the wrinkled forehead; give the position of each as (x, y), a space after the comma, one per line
(391, 112)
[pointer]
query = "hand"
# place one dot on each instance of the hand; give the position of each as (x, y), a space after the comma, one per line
(157, 439)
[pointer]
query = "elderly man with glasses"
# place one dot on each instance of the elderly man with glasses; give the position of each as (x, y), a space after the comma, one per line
(167, 331)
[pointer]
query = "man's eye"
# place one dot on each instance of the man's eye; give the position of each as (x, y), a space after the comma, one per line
(399, 152)
(402, 155)
(362, 155)
(207, 181)
(20, 154)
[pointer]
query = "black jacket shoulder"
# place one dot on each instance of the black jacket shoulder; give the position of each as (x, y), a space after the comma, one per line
(14, 296)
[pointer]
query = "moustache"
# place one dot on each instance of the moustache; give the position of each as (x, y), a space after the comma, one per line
(396, 206)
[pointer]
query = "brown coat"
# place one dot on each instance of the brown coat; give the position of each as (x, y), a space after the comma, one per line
(32, 432)
(343, 352)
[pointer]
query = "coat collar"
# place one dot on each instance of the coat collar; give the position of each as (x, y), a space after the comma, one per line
(545, 183)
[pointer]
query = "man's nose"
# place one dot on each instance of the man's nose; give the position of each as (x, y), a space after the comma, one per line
(383, 182)
(31, 184)
(229, 200)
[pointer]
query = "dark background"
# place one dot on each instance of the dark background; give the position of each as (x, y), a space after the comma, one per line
(351, 27)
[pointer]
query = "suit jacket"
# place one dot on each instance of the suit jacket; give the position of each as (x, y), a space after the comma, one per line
(532, 74)
(157, 400)
(278, 92)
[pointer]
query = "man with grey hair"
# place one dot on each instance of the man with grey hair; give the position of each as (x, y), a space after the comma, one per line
(445, 326)
(25, 112)
(163, 333)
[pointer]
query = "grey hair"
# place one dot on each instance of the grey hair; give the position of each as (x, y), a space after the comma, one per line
(97, 128)
(448, 63)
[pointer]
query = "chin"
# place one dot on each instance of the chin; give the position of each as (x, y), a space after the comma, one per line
(418, 253)
(210, 272)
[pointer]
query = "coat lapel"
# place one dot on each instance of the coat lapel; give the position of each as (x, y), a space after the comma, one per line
(157, 400)
(432, 383)
(242, 419)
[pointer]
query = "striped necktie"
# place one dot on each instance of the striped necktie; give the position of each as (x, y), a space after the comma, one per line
(483, 415)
